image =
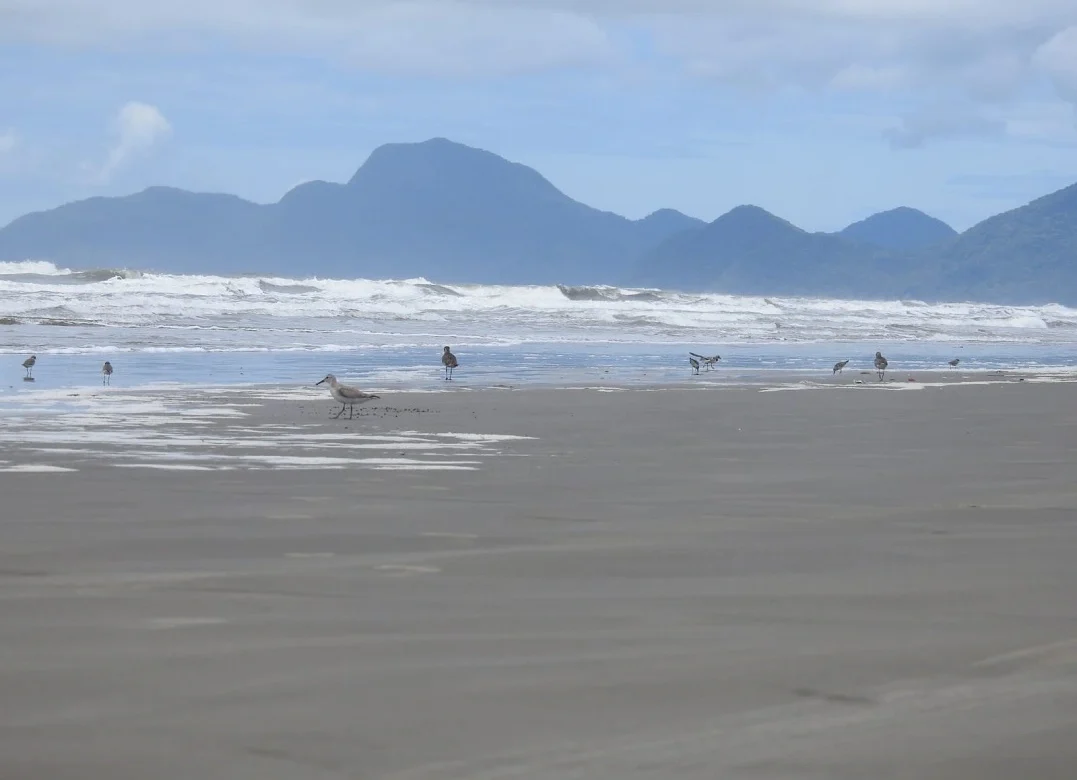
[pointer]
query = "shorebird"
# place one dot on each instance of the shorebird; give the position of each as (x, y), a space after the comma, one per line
(28, 364)
(709, 362)
(954, 362)
(880, 365)
(106, 373)
(448, 359)
(839, 367)
(694, 364)
(346, 395)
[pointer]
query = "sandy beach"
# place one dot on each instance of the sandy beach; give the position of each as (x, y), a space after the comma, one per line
(796, 581)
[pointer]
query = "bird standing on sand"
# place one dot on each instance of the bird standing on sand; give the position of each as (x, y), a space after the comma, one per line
(106, 373)
(954, 362)
(28, 364)
(346, 395)
(838, 367)
(448, 359)
(694, 364)
(880, 365)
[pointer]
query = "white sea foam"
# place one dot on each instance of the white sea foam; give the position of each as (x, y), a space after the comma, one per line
(35, 267)
(200, 313)
(182, 430)
(165, 466)
(28, 468)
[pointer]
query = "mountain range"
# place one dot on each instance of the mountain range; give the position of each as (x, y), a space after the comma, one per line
(452, 213)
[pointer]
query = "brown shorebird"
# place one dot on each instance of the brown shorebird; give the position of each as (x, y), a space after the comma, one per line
(28, 364)
(106, 373)
(954, 362)
(838, 367)
(448, 359)
(880, 365)
(694, 364)
(346, 395)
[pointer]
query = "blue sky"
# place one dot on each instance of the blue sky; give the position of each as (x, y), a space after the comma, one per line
(822, 111)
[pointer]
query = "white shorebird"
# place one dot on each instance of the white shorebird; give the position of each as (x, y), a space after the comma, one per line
(346, 395)
(106, 373)
(704, 360)
(694, 364)
(880, 365)
(954, 362)
(839, 367)
(448, 359)
(28, 364)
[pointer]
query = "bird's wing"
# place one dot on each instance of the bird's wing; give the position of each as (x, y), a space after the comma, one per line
(354, 393)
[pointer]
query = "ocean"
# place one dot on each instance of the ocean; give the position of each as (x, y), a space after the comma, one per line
(387, 334)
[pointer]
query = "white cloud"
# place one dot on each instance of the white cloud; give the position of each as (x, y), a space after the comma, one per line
(137, 128)
(984, 51)
(1058, 57)
(428, 36)
(8, 141)
(943, 121)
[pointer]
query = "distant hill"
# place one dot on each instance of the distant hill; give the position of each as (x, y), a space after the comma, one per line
(453, 213)
(159, 227)
(901, 230)
(749, 250)
(436, 209)
(1027, 255)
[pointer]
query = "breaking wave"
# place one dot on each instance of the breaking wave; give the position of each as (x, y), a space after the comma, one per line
(271, 312)
(32, 267)
(603, 293)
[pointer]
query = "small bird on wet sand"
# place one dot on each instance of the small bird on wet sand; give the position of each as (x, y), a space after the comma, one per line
(694, 364)
(709, 362)
(106, 373)
(838, 367)
(880, 365)
(448, 359)
(954, 362)
(346, 395)
(28, 364)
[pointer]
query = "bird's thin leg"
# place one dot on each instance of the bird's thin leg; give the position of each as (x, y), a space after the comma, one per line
(337, 415)
(351, 411)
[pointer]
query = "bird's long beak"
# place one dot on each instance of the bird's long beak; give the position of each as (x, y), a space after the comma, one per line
(318, 382)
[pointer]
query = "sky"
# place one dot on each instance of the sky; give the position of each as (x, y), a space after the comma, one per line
(821, 111)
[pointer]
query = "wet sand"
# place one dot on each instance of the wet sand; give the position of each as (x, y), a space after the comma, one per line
(695, 583)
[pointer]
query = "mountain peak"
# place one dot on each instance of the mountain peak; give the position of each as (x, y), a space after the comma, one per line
(750, 217)
(425, 162)
(899, 229)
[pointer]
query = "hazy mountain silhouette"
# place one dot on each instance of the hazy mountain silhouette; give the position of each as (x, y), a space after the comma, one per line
(902, 229)
(1027, 255)
(454, 213)
(749, 250)
(436, 209)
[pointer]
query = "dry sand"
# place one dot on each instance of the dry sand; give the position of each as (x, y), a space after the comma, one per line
(686, 583)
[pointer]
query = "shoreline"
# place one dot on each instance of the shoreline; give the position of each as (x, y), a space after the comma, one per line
(530, 365)
(715, 379)
(154, 427)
